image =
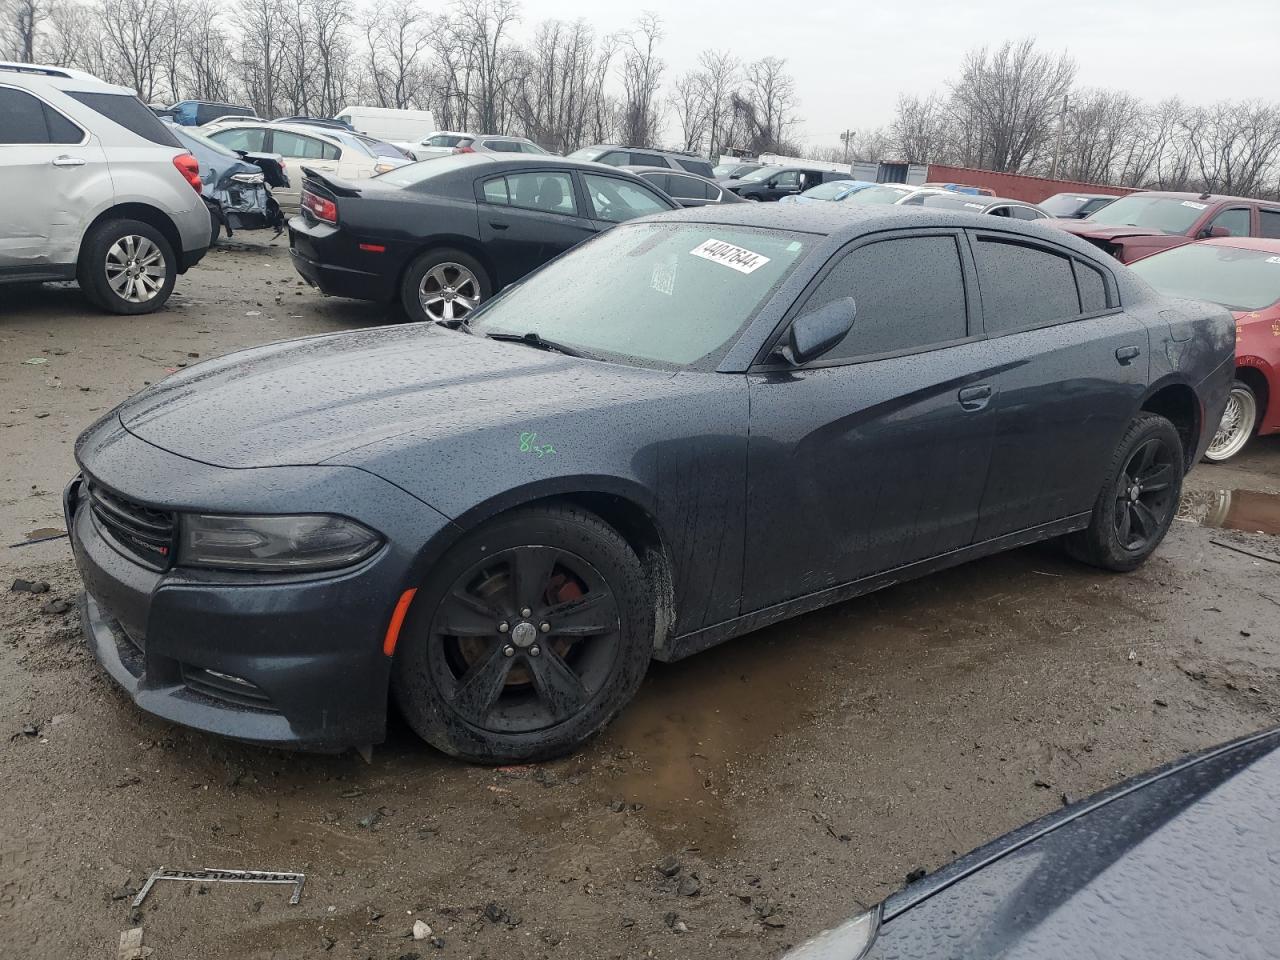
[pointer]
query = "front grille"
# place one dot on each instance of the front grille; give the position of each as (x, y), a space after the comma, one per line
(146, 533)
(225, 688)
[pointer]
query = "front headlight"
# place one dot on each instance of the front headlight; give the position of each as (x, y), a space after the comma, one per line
(849, 941)
(285, 544)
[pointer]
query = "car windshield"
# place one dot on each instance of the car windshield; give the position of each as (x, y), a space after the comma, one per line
(661, 294)
(832, 190)
(877, 195)
(1168, 214)
(1237, 278)
(1063, 204)
(585, 153)
(764, 173)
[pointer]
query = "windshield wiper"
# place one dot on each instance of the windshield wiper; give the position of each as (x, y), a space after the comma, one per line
(536, 340)
(457, 323)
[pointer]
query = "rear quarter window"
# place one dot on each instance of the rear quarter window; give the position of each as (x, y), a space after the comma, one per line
(130, 113)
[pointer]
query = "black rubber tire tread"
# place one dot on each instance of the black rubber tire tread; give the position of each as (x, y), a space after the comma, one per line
(1098, 545)
(571, 527)
(417, 269)
(93, 253)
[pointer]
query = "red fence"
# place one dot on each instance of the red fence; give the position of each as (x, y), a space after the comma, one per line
(1015, 186)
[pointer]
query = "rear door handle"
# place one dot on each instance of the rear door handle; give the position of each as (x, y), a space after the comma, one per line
(498, 226)
(1126, 355)
(66, 161)
(975, 398)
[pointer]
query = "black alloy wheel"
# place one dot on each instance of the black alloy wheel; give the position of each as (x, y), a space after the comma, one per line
(1144, 494)
(526, 637)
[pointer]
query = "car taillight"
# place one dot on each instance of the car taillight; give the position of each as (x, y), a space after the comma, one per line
(464, 150)
(320, 208)
(189, 167)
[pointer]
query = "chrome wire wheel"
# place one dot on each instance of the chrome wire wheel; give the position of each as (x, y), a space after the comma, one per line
(135, 268)
(1236, 426)
(1145, 495)
(525, 639)
(449, 291)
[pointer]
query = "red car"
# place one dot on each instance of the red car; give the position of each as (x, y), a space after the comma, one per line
(1140, 224)
(1242, 274)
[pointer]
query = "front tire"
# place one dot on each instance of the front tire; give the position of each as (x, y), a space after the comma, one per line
(1239, 420)
(1138, 500)
(444, 284)
(528, 637)
(127, 267)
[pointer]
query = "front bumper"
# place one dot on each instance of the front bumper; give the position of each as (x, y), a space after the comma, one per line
(290, 660)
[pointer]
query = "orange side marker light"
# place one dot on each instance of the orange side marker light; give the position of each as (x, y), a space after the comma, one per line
(397, 621)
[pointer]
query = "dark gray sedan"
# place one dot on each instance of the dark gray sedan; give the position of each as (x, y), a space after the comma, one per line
(690, 427)
(1181, 862)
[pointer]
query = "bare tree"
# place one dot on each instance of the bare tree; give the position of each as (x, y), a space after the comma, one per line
(261, 48)
(136, 34)
(766, 106)
(562, 82)
(641, 78)
(920, 130)
(691, 101)
(20, 29)
(481, 28)
(723, 73)
(396, 47)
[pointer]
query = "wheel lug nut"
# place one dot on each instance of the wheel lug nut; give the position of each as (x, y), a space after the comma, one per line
(545, 628)
(534, 650)
(525, 612)
(503, 627)
(508, 651)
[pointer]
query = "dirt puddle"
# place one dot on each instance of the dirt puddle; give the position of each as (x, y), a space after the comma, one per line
(1249, 511)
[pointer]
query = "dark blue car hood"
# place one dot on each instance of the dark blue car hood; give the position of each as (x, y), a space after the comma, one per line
(1185, 863)
(306, 401)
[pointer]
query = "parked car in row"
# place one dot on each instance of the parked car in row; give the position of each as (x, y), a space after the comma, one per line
(686, 189)
(236, 186)
(442, 237)
(388, 123)
(616, 156)
(1180, 862)
(992, 206)
(333, 152)
(196, 113)
(735, 170)
(96, 188)
(1139, 224)
(317, 122)
(774, 183)
(1242, 274)
(961, 188)
(445, 143)
(831, 191)
(690, 427)
(1075, 206)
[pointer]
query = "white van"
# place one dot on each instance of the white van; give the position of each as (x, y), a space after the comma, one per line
(386, 123)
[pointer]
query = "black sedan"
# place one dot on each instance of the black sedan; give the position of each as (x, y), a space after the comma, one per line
(686, 189)
(673, 435)
(1181, 862)
(442, 236)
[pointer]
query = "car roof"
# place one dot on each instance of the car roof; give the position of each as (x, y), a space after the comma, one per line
(1087, 196)
(640, 168)
(324, 132)
(63, 78)
(1198, 197)
(1261, 244)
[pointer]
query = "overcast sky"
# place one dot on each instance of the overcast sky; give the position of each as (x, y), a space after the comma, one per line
(852, 59)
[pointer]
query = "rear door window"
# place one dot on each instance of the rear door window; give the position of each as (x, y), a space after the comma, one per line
(130, 113)
(700, 167)
(896, 312)
(30, 120)
(687, 188)
(1270, 223)
(640, 159)
(249, 139)
(616, 200)
(501, 146)
(296, 146)
(660, 180)
(1025, 213)
(550, 192)
(619, 158)
(1023, 285)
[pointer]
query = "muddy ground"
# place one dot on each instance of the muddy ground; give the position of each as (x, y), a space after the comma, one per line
(794, 775)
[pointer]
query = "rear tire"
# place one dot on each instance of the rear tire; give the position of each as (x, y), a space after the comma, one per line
(478, 677)
(1239, 420)
(127, 267)
(444, 284)
(1138, 499)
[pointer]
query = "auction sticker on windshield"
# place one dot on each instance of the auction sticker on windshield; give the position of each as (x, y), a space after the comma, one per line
(728, 255)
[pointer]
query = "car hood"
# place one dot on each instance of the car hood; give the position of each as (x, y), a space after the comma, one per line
(1083, 228)
(302, 402)
(1178, 863)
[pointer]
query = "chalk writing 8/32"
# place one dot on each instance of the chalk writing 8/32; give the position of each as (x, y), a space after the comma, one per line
(529, 444)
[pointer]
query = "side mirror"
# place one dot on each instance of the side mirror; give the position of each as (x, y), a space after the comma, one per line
(814, 333)
(1214, 232)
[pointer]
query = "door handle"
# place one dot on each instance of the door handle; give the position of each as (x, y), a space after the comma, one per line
(1126, 355)
(498, 226)
(975, 398)
(66, 161)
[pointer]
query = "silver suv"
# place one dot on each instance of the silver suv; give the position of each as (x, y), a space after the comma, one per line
(95, 188)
